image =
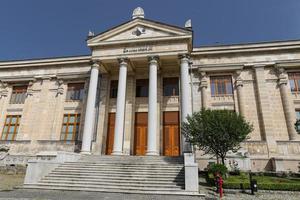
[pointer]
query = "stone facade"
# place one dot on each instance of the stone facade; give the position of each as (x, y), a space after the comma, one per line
(260, 92)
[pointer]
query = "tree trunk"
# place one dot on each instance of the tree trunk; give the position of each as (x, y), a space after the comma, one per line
(223, 160)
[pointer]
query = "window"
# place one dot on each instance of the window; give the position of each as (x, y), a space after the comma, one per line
(113, 89)
(142, 86)
(221, 86)
(18, 95)
(298, 114)
(170, 86)
(75, 91)
(11, 127)
(294, 79)
(70, 127)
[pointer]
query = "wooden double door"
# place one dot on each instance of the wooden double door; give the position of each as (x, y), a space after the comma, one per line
(171, 136)
(140, 133)
(110, 133)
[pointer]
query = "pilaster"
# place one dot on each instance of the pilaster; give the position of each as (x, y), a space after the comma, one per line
(265, 110)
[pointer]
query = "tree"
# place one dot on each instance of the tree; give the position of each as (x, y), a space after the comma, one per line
(216, 131)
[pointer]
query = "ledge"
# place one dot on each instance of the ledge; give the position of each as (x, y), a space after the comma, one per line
(14, 141)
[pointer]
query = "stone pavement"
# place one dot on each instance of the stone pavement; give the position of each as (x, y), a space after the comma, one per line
(22, 194)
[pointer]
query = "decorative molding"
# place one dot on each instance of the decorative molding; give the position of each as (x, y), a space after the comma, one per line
(60, 88)
(14, 110)
(219, 67)
(3, 89)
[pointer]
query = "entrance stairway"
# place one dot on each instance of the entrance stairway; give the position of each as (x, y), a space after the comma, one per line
(127, 174)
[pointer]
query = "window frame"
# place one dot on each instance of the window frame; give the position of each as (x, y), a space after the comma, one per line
(223, 81)
(175, 90)
(141, 83)
(9, 124)
(18, 94)
(68, 124)
(113, 91)
(294, 77)
(77, 89)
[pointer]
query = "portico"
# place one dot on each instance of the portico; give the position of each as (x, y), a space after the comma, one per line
(139, 59)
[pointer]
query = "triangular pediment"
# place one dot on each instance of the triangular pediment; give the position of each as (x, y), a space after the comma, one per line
(139, 29)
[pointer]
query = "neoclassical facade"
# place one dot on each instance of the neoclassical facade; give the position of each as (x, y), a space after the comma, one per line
(140, 82)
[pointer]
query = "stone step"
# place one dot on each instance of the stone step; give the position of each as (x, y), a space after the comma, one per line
(120, 184)
(122, 165)
(126, 157)
(117, 177)
(115, 180)
(126, 163)
(121, 168)
(181, 192)
(108, 171)
(84, 186)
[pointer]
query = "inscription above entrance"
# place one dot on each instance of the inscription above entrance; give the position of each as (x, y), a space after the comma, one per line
(137, 49)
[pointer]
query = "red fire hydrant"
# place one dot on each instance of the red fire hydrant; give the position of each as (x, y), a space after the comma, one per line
(220, 185)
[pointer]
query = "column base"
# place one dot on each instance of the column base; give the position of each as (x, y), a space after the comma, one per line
(152, 153)
(85, 153)
(117, 153)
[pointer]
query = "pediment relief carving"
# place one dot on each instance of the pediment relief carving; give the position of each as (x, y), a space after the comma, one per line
(137, 30)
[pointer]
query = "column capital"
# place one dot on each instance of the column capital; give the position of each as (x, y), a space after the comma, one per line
(95, 63)
(203, 79)
(239, 83)
(282, 76)
(184, 57)
(123, 61)
(153, 59)
(282, 80)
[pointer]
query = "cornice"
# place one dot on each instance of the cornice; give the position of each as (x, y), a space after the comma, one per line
(139, 40)
(45, 62)
(240, 48)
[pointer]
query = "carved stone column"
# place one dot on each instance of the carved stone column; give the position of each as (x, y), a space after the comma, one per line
(239, 89)
(90, 110)
(185, 96)
(287, 104)
(120, 113)
(203, 87)
(152, 107)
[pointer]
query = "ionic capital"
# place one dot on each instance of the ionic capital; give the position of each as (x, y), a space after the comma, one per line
(184, 58)
(123, 61)
(95, 64)
(153, 59)
(239, 83)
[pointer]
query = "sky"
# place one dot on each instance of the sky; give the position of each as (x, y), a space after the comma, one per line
(55, 28)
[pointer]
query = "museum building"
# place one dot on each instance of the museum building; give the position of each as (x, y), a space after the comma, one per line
(140, 82)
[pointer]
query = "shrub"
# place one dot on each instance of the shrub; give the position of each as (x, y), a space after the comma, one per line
(264, 186)
(218, 168)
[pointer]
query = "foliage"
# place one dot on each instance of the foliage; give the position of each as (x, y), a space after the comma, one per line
(263, 182)
(216, 131)
(218, 169)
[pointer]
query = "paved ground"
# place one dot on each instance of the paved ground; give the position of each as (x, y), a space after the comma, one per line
(22, 194)
(7, 182)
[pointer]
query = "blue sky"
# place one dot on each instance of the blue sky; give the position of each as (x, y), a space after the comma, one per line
(37, 29)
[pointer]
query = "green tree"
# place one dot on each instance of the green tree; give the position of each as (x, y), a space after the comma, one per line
(216, 131)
